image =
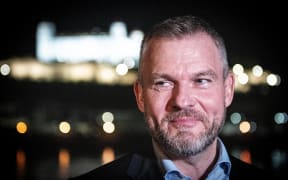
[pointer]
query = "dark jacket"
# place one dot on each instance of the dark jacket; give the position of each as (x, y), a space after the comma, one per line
(138, 167)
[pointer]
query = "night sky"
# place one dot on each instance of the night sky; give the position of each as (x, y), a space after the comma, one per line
(253, 33)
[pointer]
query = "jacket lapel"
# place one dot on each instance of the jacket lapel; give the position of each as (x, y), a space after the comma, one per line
(141, 168)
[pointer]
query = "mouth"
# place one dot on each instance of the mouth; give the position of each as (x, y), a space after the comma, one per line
(184, 121)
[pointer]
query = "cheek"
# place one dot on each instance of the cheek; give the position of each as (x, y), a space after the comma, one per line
(155, 105)
(213, 104)
(155, 102)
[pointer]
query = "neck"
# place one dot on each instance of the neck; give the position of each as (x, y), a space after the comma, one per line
(198, 165)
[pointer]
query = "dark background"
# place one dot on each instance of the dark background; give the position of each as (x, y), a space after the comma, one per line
(254, 34)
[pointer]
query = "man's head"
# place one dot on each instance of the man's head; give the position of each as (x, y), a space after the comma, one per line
(184, 85)
(178, 27)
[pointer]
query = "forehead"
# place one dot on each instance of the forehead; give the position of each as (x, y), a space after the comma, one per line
(187, 49)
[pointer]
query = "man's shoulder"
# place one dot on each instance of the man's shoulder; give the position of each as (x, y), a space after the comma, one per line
(129, 166)
(116, 168)
(243, 170)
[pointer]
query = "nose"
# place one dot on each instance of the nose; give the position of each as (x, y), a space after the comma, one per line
(182, 97)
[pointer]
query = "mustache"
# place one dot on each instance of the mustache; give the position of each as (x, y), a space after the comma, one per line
(186, 113)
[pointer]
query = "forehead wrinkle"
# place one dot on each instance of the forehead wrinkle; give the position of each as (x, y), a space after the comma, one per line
(161, 75)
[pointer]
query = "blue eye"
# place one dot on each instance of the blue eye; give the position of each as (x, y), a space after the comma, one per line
(163, 84)
(202, 81)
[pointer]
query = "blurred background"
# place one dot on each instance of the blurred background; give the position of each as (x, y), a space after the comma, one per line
(66, 74)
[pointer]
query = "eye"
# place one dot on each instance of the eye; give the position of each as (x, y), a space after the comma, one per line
(202, 81)
(163, 84)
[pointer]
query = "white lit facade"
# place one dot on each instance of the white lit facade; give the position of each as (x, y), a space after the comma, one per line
(113, 48)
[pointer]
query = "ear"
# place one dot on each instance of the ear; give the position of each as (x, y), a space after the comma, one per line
(229, 89)
(138, 92)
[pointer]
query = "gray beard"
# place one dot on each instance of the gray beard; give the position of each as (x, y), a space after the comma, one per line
(181, 144)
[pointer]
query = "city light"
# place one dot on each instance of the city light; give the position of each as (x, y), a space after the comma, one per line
(244, 127)
(64, 162)
(108, 155)
(5, 69)
(281, 118)
(107, 117)
(64, 127)
(21, 127)
(109, 127)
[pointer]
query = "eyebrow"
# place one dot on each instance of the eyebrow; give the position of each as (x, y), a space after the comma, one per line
(161, 75)
(209, 73)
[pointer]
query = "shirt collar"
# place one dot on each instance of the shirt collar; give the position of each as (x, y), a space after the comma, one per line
(223, 162)
(223, 157)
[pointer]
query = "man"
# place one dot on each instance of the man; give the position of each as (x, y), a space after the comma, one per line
(184, 87)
